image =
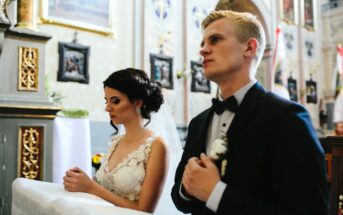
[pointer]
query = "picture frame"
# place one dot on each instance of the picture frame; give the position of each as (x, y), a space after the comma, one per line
(308, 14)
(90, 15)
(162, 70)
(292, 88)
(288, 11)
(73, 62)
(199, 83)
(311, 91)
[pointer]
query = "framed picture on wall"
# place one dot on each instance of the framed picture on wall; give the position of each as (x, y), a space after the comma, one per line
(288, 11)
(199, 82)
(311, 91)
(162, 70)
(292, 88)
(87, 15)
(73, 63)
(308, 14)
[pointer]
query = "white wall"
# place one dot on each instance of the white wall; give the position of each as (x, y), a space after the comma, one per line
(128, 48)
(107, 54)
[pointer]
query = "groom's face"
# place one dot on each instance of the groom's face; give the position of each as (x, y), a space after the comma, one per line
(222, 52)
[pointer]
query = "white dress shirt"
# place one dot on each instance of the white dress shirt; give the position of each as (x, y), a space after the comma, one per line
(221, 123)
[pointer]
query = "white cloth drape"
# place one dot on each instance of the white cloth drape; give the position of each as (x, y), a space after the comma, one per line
(31, 197)
(71, 146)
(338, 108)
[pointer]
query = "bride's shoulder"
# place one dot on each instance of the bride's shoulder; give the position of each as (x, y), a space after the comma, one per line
(159, 143)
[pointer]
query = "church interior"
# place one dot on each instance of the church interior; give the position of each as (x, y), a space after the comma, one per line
(55, 55)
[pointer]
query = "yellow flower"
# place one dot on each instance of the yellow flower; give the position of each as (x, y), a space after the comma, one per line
(96, 159)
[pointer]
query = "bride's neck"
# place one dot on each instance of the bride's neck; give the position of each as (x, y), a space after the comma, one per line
(134, 131)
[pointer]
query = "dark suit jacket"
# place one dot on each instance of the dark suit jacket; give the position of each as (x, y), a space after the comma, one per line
(275, 165)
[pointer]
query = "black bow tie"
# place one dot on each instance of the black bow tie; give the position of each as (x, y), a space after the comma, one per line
(229, 104)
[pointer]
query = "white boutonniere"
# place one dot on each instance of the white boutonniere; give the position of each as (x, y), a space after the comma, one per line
(218, 151)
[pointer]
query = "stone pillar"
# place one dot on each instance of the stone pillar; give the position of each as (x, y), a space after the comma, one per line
(26, 113)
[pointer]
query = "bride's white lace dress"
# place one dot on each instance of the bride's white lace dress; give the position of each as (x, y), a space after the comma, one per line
(126, 179)
(126, 183)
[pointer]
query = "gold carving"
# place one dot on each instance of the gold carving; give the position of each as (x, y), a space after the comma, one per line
(28, 69)
(30, 152)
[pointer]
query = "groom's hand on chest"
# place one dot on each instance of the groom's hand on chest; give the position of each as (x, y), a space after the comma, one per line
(200, 177)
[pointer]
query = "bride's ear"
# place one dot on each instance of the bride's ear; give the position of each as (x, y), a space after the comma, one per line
(138, 103)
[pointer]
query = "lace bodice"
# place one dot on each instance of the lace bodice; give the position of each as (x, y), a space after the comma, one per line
(126, 178)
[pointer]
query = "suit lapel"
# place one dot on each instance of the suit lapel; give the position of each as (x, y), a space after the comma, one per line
(203, 126)
(245, 111)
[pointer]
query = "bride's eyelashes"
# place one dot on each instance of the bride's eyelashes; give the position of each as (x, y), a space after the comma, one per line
(113, 100)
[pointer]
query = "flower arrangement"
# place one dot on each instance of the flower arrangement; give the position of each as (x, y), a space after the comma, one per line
(218, 151)
(96, 160)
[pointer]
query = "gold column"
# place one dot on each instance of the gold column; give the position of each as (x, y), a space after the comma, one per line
(25, 14)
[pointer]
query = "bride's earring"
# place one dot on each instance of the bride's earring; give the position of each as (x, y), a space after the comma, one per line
(138, 110)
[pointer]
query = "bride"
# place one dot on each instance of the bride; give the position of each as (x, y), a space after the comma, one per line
(133, 172)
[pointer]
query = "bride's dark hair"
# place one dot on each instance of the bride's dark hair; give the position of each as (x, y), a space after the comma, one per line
(136, 85)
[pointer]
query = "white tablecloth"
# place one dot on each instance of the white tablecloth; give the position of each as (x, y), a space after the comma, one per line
(31, 197)
(71, 147)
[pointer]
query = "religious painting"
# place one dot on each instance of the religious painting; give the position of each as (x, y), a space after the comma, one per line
(88, 15)
(309, 48)
(308, 14)
(292, 88)
(199, 82)
(311, 91)
(162, 70)
(73, 63)
(288, 11)
(289, 41)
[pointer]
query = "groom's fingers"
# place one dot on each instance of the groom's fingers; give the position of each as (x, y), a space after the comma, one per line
(206, 161)
(192, 163)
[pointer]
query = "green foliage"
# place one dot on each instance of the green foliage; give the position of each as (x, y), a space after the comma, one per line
(73, 113)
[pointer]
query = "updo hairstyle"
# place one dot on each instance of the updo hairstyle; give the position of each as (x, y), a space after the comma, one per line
(136, 85)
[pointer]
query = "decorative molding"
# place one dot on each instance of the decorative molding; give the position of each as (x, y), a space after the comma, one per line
(3, 29)
(18, 111)
(28, 69)
(3, 12)
(30, 152)
(27, 35)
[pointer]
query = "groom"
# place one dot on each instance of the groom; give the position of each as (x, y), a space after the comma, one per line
(266, 157)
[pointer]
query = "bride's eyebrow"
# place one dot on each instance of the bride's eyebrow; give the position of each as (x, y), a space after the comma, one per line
(113, 97)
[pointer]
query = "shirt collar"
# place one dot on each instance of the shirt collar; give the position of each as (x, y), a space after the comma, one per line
(239, 94)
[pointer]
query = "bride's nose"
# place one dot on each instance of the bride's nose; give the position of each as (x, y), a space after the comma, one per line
(108, 108)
